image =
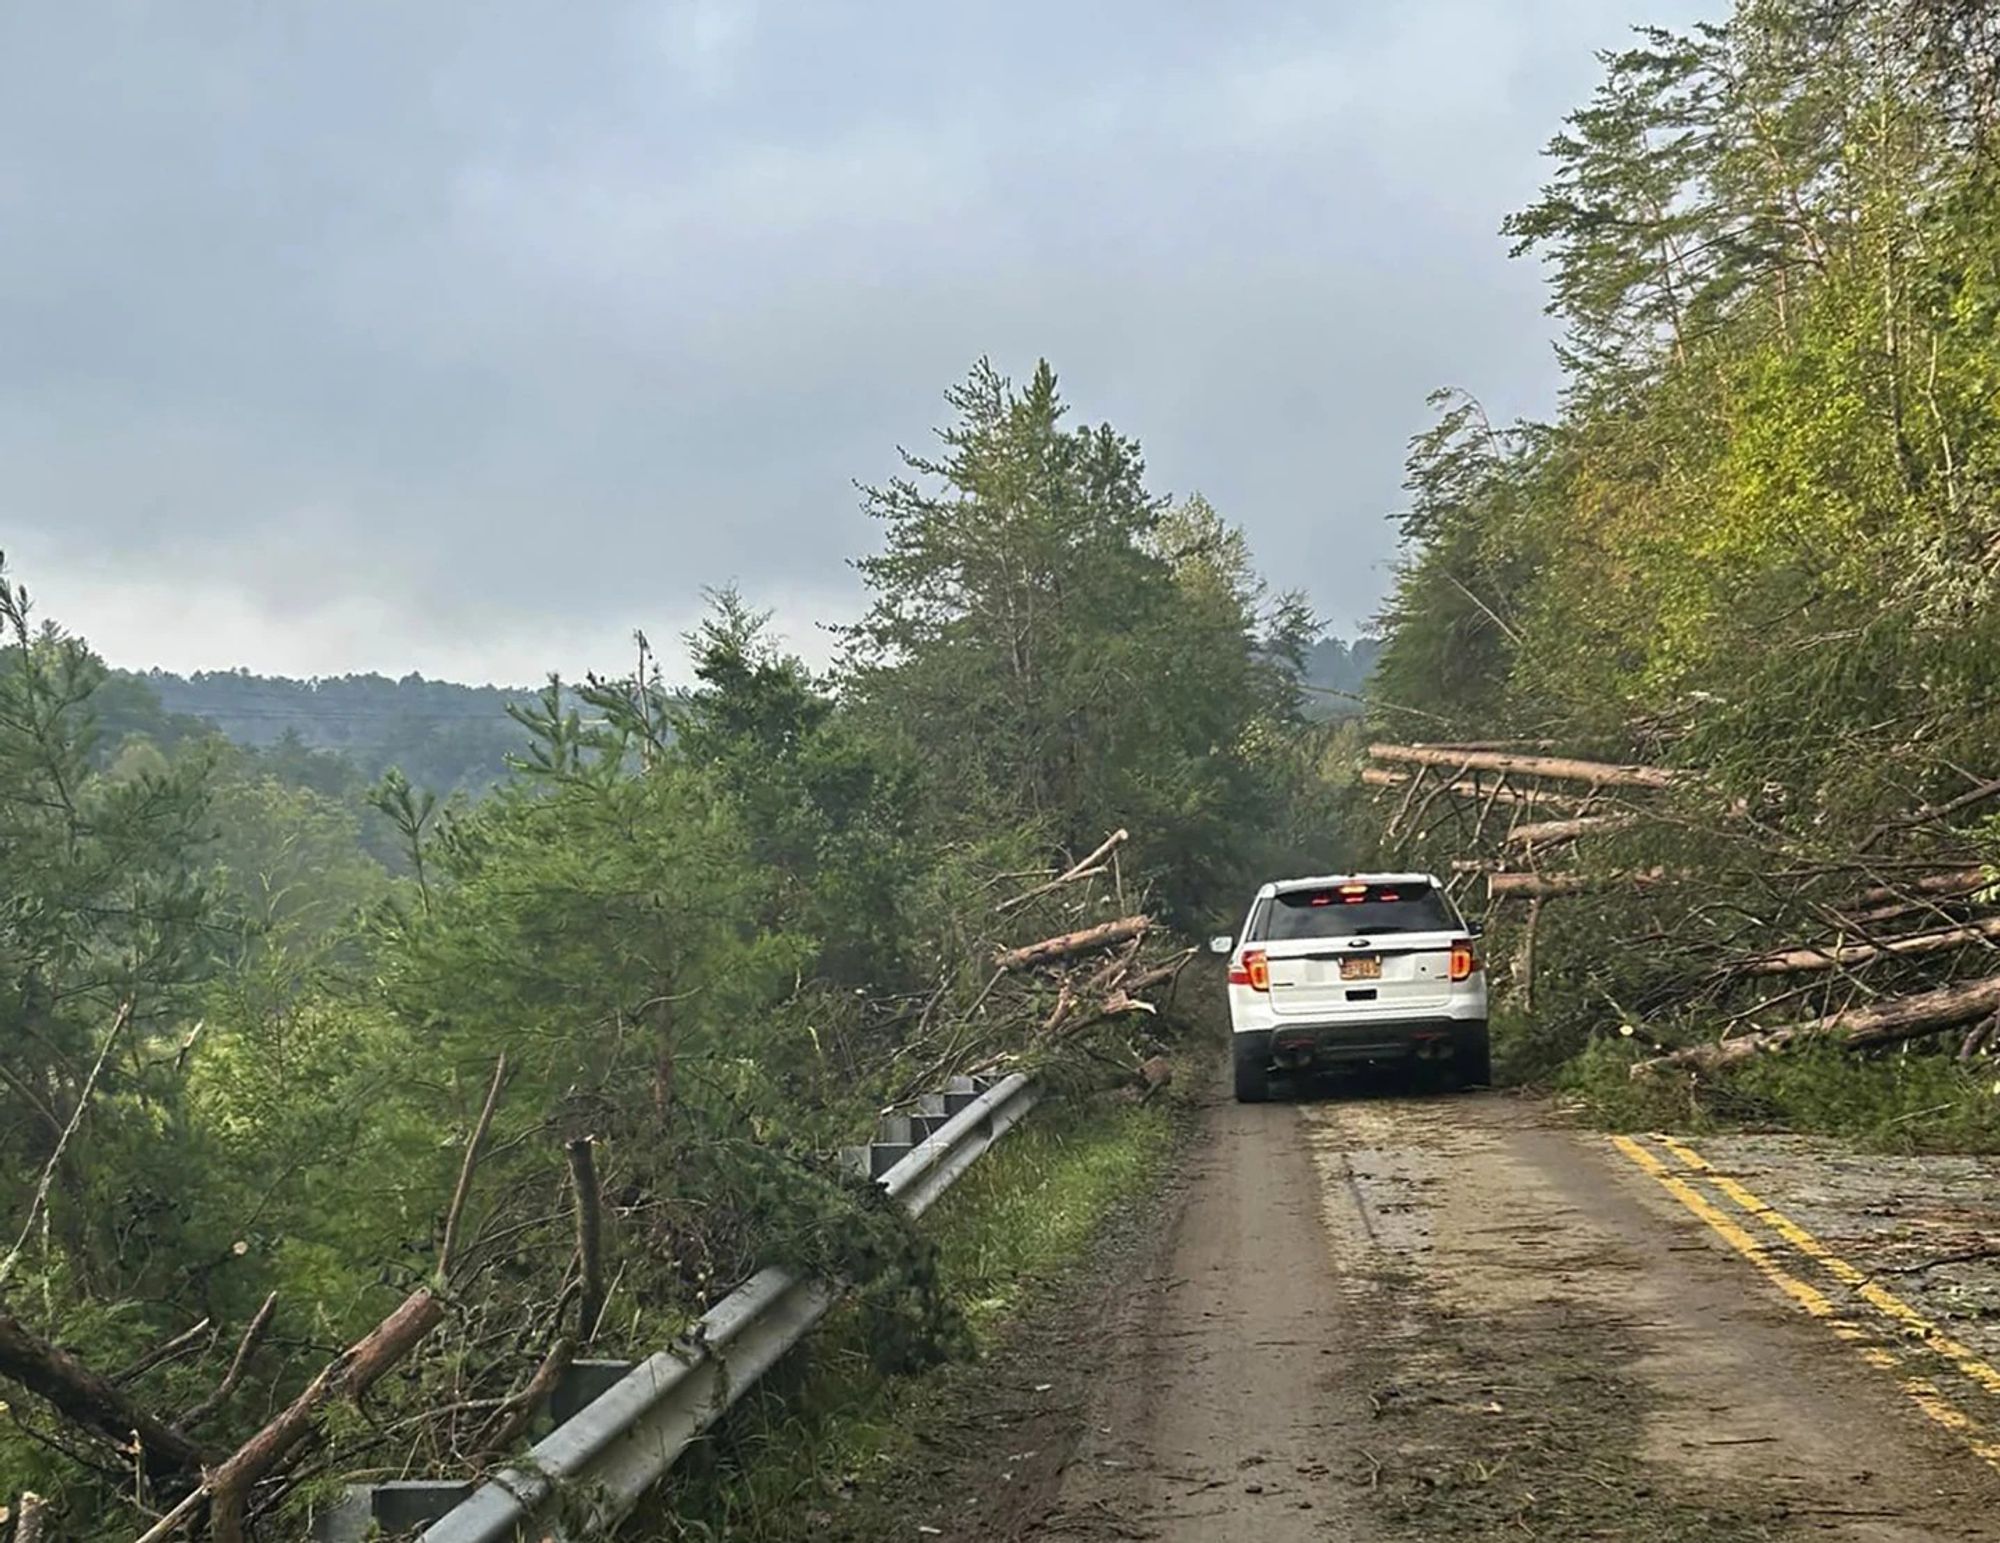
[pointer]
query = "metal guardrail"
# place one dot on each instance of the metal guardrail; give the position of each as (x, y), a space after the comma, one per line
(588, 1473)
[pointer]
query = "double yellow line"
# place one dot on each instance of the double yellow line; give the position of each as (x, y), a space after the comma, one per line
(1883, 1336)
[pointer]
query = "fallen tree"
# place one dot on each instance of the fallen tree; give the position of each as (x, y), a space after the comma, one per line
(1854, 1028)
(1555, 768)
(1958, 881)
(1560, 832)
(1498, 793)
(1550, 886)
(1070, 944)
(92, 1400)
(351, 1375)
(1796, 961)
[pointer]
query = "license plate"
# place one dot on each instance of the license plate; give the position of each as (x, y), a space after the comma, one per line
(1368, 968)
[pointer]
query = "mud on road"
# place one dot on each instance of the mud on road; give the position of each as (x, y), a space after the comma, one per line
(1392, 1317)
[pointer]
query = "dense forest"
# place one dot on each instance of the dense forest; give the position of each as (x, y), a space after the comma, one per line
(439, 734)
(456, 738)
(1748, 572)
(264, 1078)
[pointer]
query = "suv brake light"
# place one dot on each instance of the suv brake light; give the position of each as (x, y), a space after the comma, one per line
(1463, 961)
(1254, 971)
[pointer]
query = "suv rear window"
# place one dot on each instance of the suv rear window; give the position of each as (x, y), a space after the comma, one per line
(1354, 910)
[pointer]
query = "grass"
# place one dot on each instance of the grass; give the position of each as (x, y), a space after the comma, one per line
(822, 1422)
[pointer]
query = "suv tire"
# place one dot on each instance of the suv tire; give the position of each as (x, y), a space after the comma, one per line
(1253, 1077)
(1472, 1063)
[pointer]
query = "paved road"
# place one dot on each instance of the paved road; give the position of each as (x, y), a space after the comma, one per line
(1383, 1317)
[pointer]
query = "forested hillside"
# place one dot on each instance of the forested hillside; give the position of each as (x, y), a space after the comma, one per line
(441, 735)
(1337, 675)
(1757, 551)
(260, 1094)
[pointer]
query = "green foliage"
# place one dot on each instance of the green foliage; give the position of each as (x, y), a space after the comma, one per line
(1022, 1216)
(709, 933)
(1759, 539)
(1054, 648)
(443, 736)
(1901, 1101)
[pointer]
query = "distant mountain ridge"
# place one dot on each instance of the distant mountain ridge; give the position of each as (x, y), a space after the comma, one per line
(1340, 671)
(443, 735)
(446, 736)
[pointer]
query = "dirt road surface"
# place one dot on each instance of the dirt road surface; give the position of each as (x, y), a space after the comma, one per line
(1387, 1317)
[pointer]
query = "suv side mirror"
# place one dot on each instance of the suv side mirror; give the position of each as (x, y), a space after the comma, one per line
(1222, 945)
(1475, 929)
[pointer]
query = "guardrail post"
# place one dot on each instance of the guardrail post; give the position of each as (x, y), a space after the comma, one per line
(388, 1509)
(584, 1382)
(929, 1116)
(894, 1137)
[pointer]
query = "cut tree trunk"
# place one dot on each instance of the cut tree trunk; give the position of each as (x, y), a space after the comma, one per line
(1070, 944)
(1483, 744)
(1854, 1028)
(1933, 907)
(34, 1511)
(1555, 832)
(1799, 961)
(1382, 777)
(1959, 881)
(91, 1400)
(1550, 886)
(1557, 768)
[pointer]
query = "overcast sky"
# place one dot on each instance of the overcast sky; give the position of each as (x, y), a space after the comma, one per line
(465, 337)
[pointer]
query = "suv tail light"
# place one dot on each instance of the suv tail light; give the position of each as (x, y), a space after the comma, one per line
(1463, 961)
(1254, 971)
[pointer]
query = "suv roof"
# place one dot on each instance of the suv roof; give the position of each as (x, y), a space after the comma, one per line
(1324, 880)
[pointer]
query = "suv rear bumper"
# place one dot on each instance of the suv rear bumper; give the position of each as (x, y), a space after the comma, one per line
(1297, 1046)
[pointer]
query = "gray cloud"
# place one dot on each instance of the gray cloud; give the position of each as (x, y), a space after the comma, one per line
(466, 337)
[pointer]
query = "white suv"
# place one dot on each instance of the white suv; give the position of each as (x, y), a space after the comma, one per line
(1368, 967)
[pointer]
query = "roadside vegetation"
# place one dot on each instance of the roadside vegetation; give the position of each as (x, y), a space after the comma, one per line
(818, 1449)
(1756, 555)
(288, 1058)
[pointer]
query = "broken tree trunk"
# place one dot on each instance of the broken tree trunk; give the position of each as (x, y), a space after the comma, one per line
(1527, 956)
(1556, 832)
(1070, 944)
(1160, 974)
(1854, 1028)
(1798, 961)
(1557, 768)
(589, 1237)
(1959, 881)
(352, 1374)
(90, 1400)
(28, 1526)
(1550, 886)
(1087, 868)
